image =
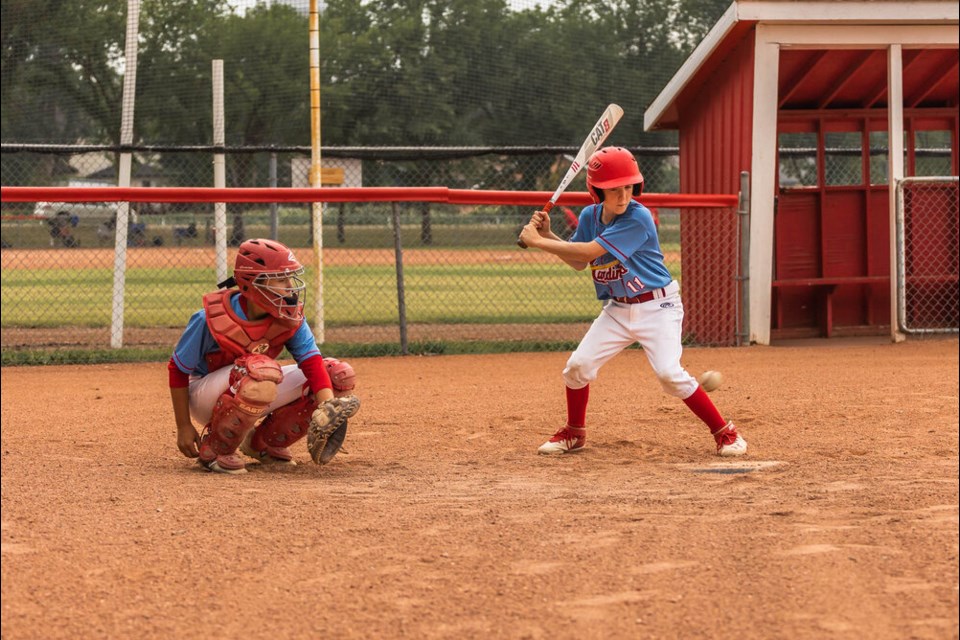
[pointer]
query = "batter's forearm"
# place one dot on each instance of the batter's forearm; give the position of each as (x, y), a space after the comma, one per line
(576, 264)
(576, 254)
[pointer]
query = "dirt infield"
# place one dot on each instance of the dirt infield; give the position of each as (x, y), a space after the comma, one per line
(442, 522)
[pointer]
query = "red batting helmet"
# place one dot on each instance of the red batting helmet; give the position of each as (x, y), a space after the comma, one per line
(612, 167)
(258, 262)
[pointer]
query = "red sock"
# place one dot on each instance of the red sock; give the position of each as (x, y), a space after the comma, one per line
(577, 406)
(701, 404)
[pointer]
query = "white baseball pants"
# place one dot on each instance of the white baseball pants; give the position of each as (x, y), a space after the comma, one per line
(656, 325)
(205, 391)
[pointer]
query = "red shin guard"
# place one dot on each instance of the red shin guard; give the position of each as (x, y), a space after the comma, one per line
(285, 425)
(231, 420)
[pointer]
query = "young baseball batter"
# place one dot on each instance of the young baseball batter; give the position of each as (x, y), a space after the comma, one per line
(224, 375)
(618, 240)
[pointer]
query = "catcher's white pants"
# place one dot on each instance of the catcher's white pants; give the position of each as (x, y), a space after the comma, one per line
(655, 324)
(205, 391)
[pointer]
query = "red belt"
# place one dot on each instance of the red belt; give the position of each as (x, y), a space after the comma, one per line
(643, 297)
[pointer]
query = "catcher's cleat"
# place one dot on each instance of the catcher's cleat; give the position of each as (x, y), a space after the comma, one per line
(566, 440)
(279, 456)
(231, 464)
(729, 442)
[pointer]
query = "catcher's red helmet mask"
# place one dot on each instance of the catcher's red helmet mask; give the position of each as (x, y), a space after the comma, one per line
(259, 265)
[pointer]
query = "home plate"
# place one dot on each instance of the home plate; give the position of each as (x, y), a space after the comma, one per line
(731, 467)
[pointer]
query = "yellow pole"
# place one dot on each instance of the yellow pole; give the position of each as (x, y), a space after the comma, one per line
(316, 208)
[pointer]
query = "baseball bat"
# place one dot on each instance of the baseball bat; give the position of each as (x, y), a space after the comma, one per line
(608, 120)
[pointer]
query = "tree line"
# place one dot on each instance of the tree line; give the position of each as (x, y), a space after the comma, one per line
(394, 72)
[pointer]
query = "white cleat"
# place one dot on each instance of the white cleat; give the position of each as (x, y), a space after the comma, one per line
(736, 448)
(729, 442)
(566, 440)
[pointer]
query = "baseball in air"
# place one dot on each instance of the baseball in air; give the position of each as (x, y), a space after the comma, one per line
(711, 380)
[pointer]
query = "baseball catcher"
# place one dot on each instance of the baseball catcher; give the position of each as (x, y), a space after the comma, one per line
(224, 373)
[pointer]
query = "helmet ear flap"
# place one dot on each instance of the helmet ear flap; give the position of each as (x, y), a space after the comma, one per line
(613, 167)
(598, 193)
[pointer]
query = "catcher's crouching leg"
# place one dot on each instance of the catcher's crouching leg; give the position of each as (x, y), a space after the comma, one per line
(253, 386)
(285, 425)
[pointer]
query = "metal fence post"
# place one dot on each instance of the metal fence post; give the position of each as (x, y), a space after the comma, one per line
(398, 259)
(274, 215)
(124, 171)
(743, 211)
(219, 172)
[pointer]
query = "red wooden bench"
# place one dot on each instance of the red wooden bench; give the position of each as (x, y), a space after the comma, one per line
(827, 286)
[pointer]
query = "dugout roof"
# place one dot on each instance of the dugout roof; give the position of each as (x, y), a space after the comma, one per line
(848, 76)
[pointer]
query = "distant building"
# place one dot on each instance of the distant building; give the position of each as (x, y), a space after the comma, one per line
(141, 175)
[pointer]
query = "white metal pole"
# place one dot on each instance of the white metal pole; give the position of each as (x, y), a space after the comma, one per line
(124, 170)
(895, 169)
(316, 208)
(219, 173)
(763, 183)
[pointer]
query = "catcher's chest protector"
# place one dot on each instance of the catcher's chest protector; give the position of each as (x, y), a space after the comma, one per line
(238, 337)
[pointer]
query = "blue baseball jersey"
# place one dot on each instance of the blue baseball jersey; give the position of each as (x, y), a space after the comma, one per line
(197, 341)
(633, 263)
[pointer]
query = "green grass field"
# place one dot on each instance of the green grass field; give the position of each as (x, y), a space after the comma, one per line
(444, 293)
(367, 295)
(460, 294)
(473, 231)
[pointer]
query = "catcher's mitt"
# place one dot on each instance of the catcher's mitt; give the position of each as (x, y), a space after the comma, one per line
(334, 442)
(328, 427)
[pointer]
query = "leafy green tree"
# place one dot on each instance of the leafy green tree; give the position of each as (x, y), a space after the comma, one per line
(394, 72)
(267, 62)
(60, 80)
(174, 70)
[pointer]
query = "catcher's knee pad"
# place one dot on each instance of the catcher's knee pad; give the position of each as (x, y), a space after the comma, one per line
(578, 373)
(287, 424)
(254, 379)
(342, 376)
(253, 386)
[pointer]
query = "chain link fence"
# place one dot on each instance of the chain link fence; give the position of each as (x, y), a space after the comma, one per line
(928, 246)
(843, 160)
(455, 271)
(163, 224)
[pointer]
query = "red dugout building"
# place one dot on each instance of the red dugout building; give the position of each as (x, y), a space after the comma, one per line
(826, 105)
